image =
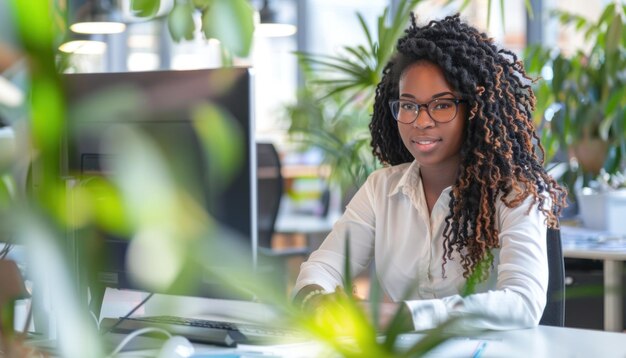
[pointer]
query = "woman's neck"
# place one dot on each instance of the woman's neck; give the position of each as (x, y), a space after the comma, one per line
(441, 176)
(435, 179)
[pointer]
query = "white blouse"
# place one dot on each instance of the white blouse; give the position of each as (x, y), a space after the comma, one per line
(388, 220)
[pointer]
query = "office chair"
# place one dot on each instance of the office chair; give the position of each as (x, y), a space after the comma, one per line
(554, 313)
(272, 261)
(269, 190)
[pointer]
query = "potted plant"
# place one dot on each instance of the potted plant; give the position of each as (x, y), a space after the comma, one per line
(333, 110)
(582, 100)
(38, 217)
(603, 204)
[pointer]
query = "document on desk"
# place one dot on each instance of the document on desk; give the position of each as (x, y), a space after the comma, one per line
(461, 347)
(308, 349)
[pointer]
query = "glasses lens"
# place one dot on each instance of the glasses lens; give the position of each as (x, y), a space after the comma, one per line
(404, 111)
(442, 110)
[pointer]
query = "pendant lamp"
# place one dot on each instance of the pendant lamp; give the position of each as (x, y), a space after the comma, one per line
(96, 17)
(269, 26)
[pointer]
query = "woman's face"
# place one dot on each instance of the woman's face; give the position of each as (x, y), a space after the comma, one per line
(431, 143)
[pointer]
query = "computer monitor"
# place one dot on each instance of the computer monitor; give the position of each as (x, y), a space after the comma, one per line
(159, 105)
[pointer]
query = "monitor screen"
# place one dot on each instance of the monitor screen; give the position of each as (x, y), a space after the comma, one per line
(162, 106)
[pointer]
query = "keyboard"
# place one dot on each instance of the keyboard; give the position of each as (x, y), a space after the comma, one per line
(220, 333)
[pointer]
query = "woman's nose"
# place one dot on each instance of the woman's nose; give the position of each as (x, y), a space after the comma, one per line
(423, 120)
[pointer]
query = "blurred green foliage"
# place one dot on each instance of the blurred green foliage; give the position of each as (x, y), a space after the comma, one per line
(229, 21)
(167, 226)
(333, 110)
(583, 97)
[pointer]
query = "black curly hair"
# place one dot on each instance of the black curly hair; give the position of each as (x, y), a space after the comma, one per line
(501, 156)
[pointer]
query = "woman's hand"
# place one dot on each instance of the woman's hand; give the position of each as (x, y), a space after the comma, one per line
(317, 303)
(308, 297)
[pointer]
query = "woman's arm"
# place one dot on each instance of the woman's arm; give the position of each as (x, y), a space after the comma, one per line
(325, 267)
(519, 297)
(305, 298)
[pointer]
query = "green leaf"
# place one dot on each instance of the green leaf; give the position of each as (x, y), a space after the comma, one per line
(488, 12)
(376, 298)
(144, 8)
(33, 21)
(550, 145)
(347, 272)
(222, 140)
(616, 100)
(607, 13)
(5, 196)
(605, 127)
(384, 37)
(361, 56)
(544, 99)
(231, 22)
(366, 30)
(502, 12)
(529, 9)
(398, 23)
(201, 4)
(480, 272)
(180, 22)
(340, 65)
(611, 44)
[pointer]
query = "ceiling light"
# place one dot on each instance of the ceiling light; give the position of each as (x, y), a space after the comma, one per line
(96, 17)
(98, 27)
(83, 47)
(269, 26)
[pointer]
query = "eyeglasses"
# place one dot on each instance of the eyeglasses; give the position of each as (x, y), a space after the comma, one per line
(441, 110)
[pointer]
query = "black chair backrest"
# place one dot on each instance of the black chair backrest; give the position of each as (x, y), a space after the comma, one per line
(554, 313)
(269, 191)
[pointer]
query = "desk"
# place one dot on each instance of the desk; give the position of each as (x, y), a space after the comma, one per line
(539, 342)
(542, 341)
(611, 249)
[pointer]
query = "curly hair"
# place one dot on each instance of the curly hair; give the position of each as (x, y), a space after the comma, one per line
(501, 157)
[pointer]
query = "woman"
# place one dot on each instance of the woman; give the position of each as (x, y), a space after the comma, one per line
(463, 194)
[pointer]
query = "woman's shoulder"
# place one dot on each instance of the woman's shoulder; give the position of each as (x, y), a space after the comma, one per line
(523, 206)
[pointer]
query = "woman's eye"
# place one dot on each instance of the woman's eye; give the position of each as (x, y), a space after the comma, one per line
(442, 106)
(407, 106)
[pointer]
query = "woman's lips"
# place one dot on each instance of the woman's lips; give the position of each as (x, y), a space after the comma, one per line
(425, 144)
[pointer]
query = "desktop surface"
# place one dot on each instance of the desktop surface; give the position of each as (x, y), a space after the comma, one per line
(542, 341)
(538, 342)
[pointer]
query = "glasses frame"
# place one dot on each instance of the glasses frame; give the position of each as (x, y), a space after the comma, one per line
(426, 106)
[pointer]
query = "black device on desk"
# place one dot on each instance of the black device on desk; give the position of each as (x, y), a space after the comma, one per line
(164, 112)
(219, 333)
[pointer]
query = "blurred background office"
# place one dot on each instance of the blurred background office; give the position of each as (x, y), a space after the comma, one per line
(318, 26)
(322, 27)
